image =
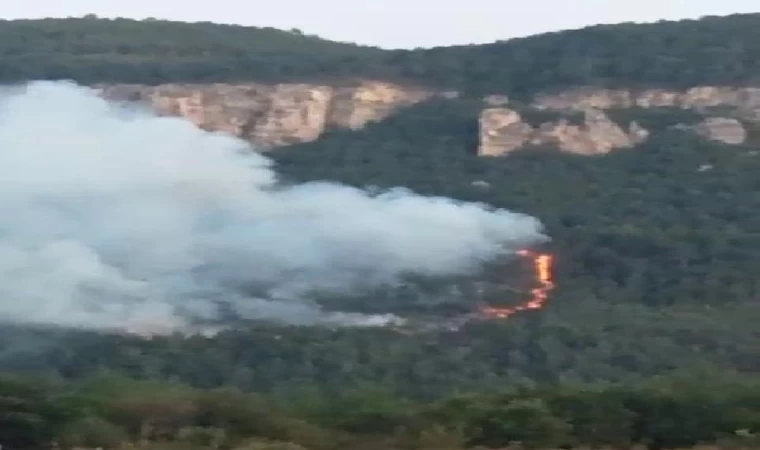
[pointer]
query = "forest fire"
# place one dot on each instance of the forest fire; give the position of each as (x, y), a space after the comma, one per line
(542, 266)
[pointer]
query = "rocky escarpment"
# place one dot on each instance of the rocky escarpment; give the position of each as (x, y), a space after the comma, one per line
(503, 128)
(273, 115)
(723, 129)
(744, 101)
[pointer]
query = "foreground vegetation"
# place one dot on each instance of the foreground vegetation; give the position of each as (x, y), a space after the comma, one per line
(113, 412)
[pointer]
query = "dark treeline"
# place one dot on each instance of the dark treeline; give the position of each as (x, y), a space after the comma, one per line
(115, 412)
(713, 50)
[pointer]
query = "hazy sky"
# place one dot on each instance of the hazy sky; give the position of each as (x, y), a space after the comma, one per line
(393, 23)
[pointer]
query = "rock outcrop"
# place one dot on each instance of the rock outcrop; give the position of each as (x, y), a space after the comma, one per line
(745, 101)
(503, 130)
(272, 115)
(722, 129)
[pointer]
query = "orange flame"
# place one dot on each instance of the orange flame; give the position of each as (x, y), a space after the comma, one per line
(542, 264)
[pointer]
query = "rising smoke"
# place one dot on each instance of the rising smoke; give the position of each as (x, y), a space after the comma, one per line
(114, 218)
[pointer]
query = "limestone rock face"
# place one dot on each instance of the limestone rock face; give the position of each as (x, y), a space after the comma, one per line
(272, 115)
(503, 130)
(722, 129)
(745, 100)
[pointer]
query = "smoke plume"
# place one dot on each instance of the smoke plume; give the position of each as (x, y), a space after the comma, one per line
(115, 218)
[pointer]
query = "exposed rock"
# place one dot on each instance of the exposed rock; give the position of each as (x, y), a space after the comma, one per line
(722, 129)
(503, 131)
(584, 98)
(745, 100)
(655, 98)
(597, 135)
(273, 115)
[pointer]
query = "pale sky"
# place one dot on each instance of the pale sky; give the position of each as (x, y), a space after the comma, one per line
(393, 23)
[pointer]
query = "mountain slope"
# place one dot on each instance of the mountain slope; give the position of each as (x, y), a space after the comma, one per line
(714, 50)
(93, 50)
(670, 221)
(657, 246)
(656, 254)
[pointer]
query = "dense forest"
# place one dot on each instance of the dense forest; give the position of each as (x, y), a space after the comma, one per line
(650, 337)
(717, 50)
(110, 411)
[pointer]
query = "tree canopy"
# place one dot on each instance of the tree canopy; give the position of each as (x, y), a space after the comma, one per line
(712, 50)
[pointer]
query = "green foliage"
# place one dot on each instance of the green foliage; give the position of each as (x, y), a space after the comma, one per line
(29, 413)
(91, 432)
(92, 50)
(713, 50)
(664, 54)
(655, 119)
(663, 413)
(210, 438)
(264, 445)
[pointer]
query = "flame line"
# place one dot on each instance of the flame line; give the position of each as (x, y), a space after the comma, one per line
(542, 265)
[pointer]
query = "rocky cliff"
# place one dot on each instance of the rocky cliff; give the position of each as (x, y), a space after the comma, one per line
(272, 115)
(503, 130)
(725, 111)
(746, 100)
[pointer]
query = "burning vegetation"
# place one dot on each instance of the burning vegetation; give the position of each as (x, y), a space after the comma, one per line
(543, 264)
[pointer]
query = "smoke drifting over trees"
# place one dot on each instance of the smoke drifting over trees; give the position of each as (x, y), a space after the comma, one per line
(114, 218)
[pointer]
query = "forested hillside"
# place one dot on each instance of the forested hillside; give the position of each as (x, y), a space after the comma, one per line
(650, 336)
(714, 50)
(91, 50)
(656, 249)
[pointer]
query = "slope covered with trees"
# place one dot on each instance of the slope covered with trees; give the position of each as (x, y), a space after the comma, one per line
(717, 50)
(669, 222)
(657, 250)
(91, 50)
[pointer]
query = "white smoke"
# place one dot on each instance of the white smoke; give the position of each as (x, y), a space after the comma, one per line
(113, 217)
